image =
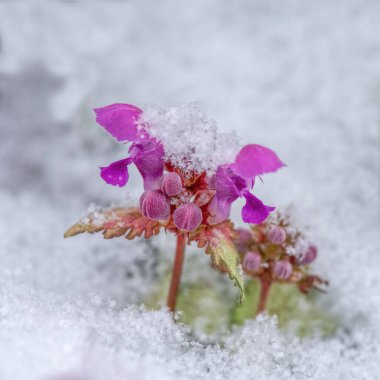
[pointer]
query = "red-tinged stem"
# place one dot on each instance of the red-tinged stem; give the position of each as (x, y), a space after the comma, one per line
(265, 285)
(177, 271)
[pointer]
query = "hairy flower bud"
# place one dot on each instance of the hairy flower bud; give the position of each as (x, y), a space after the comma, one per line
(155, 205)
(243, 239)
(188, 216)
(252, 261)
(282, 269)
(171, 184)
(308, 256)
(277, 235)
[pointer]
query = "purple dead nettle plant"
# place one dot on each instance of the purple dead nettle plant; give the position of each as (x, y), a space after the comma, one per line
(191, 176)
(275, 251)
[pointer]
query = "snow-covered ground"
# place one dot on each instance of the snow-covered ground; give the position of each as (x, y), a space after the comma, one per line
(300, 77)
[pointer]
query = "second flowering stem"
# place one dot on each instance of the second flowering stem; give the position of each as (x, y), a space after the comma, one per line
(177, 271)
(265, 285)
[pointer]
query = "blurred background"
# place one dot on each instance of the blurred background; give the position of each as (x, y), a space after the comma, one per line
(302, 78)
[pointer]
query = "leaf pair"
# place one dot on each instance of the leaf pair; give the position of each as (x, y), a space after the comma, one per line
(130, 223)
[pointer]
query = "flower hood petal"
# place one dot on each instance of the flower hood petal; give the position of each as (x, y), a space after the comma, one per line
(120, 120)
(254, 160)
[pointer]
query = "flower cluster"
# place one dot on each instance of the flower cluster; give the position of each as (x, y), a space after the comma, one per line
(191, 175)
(184, 198)
(274, 252)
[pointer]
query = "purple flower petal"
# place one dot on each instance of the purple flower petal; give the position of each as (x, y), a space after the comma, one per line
(254, 160)
(116, 174)
(148, 157)
(120, 121)
(228, 187)
(254, 210)
(219, 210)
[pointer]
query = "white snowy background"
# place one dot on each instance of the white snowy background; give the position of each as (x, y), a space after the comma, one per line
(298, 76)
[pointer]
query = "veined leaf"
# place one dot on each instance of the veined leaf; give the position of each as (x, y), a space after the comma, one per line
(219, 245)
(115, 222)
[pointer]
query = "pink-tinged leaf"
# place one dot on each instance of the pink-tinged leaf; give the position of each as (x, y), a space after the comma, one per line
(119, 120)
(128, 222)
(218, 240)
(116, 174)
(254, 211)
(254, 160)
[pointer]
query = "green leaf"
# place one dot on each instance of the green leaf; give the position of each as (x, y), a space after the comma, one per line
(224, 256)
(219, 245)
(295, 311)
(202, 305)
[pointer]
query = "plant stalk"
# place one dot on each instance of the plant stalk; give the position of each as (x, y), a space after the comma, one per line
(265, 285)
(177, 271)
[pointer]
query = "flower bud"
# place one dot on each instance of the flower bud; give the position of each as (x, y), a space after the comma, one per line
(282, 269)
(155, 205)
(252, 261)
(243, 238)
(171, 184)
(188, 216)
(277, 235)
(308, 256)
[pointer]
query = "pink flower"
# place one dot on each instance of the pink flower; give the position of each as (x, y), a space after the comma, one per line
(120, 120)
(191, 197)
(235, 180)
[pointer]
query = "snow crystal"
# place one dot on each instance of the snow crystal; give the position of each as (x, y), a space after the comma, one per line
(191, 140)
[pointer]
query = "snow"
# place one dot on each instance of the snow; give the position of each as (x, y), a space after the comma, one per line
(301, 78)
(191, 141)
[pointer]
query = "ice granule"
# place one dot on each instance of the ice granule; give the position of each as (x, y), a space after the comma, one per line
(191, 140)
(94, 215)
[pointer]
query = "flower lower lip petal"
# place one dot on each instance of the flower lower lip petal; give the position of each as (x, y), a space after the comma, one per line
(116, 174)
